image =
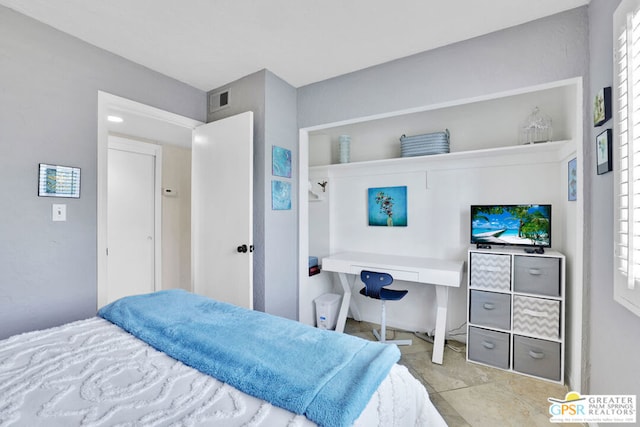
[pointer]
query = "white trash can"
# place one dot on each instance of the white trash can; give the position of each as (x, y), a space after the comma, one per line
(327, 307)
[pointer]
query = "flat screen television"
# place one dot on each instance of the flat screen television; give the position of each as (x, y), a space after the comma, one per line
(516, 225)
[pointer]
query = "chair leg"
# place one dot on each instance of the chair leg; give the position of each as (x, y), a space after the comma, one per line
(382, 336)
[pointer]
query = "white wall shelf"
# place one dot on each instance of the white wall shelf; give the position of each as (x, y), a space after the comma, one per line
(548, 152)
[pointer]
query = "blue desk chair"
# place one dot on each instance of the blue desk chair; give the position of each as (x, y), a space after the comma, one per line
(374, 288)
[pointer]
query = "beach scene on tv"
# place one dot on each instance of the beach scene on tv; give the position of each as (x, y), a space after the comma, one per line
(511, 225)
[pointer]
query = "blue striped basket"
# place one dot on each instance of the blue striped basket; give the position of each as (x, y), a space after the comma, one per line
(425, 144)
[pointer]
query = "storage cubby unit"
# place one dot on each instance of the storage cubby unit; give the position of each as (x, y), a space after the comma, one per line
(516, 306)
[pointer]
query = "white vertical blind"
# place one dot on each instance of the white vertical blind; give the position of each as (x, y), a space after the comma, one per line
(633, 151)
(623, 150)
(629, 150)
(627, 154)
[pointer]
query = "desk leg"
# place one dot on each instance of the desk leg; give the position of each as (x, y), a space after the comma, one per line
(442, 297)
(346, 304)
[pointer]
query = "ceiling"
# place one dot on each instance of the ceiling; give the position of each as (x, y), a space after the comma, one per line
(209, 43)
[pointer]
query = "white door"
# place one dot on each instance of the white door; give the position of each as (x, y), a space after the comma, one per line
(131, 218)
(222, 210)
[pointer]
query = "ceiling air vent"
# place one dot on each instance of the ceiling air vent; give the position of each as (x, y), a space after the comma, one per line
(218, 100)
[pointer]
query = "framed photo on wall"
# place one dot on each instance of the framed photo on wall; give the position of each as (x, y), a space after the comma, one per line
(58, 181)
(604, 158)
(281, 162)
(387, 206)
(602, 106)
(280, 195)
(572, 180)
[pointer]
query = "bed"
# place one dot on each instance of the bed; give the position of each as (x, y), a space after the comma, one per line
(99, 372)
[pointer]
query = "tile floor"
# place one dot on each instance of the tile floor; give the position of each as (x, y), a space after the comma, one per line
(468, 394)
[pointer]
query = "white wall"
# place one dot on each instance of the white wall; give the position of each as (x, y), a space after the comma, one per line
(319, 231)
(176, 218)
(439, 192)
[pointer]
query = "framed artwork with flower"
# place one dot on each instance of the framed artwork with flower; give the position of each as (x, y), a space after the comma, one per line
(604, 157)
(602, 106)
(388, 206)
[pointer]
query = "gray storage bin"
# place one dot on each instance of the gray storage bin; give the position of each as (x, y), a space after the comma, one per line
(490, 271)
(537, 275)
(536, 357)
(490, 309)
(489, 347)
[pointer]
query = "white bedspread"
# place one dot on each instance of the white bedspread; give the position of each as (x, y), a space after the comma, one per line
(92, 373)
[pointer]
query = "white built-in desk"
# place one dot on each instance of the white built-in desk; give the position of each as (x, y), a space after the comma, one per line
(440, 273)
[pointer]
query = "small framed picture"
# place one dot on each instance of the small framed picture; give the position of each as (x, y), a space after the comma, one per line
(387, 206)
(602, 106)
(604, 158)
(281, 162)
(58, 181)
(280, 195)
(572, 180)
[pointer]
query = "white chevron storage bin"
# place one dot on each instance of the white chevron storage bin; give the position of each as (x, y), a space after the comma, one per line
(532, 341)
(491, 271)
(536, 317)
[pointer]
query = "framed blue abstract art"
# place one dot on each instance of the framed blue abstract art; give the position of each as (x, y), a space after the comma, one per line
(388, 206)
(572, 180)
(281, 162)
(280, 195)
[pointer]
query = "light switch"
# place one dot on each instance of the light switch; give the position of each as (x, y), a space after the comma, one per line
(59, 212)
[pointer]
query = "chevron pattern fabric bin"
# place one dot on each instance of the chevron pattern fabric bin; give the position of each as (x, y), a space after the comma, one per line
(491, 272)
(536, 316)
(425, 144)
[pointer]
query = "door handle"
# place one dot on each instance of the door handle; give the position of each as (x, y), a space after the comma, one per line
(242, 249)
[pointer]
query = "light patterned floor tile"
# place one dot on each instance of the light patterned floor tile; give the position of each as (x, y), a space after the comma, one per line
(468, 394)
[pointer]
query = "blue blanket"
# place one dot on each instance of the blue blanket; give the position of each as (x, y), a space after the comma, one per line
(326, 376)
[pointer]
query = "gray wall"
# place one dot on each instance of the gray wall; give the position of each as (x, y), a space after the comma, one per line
(275, 233)
(542, 51)
(49, 86)
(614, 339)
(281, 227)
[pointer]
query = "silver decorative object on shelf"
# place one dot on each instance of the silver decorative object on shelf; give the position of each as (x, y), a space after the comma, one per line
(536, 128)
(425, 144)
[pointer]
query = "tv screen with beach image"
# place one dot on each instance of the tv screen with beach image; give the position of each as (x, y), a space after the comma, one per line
(521, 225)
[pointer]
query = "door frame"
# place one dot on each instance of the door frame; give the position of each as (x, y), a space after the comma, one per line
(107, 101)
(131, 145)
